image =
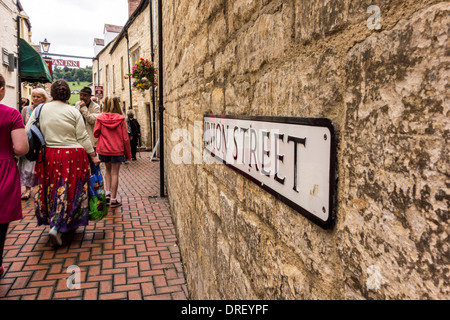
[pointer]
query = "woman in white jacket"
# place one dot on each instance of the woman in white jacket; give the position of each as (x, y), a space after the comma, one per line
(26, 167)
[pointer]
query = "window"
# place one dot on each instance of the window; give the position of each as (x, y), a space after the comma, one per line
(135, 56)
(114, 79)
(5, 57)
(107, 80)
(121, 73)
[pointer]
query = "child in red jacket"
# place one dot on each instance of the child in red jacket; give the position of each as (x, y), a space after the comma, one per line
(113, 143)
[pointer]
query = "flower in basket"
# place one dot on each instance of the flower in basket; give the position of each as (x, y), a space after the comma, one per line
(34, 85)
(144, 74)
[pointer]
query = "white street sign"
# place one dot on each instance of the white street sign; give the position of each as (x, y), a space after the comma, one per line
(292, 158)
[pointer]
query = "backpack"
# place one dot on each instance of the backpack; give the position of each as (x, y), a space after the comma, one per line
(36, 140)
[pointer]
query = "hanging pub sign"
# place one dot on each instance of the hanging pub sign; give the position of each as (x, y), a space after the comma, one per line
(66, 63)
(99, 92)
(292, 158)
(49, 63)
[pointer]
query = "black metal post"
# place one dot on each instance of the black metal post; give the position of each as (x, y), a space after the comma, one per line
(19, 78)
(161, 97)
(97, 58)
(129, 70)
(153, 60)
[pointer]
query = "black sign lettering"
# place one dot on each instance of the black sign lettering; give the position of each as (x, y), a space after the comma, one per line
(278, 157)
(253, 138)
(264, 152)
(296, 141)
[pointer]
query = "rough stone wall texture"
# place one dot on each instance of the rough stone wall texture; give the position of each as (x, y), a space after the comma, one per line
(386, 93)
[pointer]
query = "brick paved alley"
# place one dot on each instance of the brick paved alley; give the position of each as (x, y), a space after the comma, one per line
(132, 254)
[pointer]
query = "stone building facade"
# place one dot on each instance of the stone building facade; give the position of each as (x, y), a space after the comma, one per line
(10, 12)
(8, 37)
(380, 71)
(115, 60)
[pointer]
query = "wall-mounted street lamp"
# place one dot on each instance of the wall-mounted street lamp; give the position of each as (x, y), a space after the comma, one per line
(45, 45)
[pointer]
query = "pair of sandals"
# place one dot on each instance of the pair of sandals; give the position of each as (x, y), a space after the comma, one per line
(26, 195)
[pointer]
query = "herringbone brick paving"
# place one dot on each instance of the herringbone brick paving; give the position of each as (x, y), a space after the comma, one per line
(132, 254)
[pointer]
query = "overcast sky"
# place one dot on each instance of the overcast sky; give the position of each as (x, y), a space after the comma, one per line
(71, 25)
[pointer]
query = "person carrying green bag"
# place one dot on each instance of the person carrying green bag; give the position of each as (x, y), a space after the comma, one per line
(97, 198)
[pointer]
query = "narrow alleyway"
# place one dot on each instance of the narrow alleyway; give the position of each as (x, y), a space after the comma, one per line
(132, 254)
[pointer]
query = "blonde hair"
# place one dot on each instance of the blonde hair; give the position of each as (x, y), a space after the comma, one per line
(42, 93)
(112, 105)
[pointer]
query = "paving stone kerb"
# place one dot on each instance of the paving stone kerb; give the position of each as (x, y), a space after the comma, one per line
(132, 254)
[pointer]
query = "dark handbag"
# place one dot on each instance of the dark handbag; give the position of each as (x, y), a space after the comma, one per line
(36, 140)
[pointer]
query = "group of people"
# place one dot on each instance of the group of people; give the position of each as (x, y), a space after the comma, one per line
(77, 138)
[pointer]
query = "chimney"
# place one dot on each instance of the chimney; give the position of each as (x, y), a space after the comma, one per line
(132, 5)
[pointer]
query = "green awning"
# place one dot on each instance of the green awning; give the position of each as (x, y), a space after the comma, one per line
(32, 67)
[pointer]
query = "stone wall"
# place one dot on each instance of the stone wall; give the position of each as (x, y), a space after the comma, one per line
(8, 40)
(385, 89)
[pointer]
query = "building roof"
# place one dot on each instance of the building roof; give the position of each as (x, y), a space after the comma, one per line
(113, 28)
(36, 47)
(142, 5)
(99, 42)
(23, 14)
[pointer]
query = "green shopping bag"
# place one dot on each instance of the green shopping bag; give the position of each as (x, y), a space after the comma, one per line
(97, 198)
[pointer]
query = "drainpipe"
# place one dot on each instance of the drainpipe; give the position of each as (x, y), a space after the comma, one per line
(19, 78)
(98, 70)
(161, 97)
(98, 78)
(153, 60)
(129, 70)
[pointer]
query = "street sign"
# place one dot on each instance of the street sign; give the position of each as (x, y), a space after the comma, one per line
(65, 63)
(292, 158)
(99, 92)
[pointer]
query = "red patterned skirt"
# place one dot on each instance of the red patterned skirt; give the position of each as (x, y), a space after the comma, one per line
(61, 188)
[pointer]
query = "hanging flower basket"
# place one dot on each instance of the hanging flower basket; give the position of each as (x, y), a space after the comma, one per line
(34, 85)
(144, 75)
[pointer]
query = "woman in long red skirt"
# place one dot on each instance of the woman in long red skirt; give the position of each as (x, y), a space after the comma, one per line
(61, 179)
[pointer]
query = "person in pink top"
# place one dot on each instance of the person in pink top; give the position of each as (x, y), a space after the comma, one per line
(113, 143)
(14, 142)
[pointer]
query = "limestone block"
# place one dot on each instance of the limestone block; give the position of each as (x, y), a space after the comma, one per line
(237, 98)
(210, 8)
(305, 87)
(217, 101)
(225, 62)
(318, 18)
(227, 215)
(273, 270)
(217, 34)
(396, 160)
(242, 284)
(266, 40)
(241, 12)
